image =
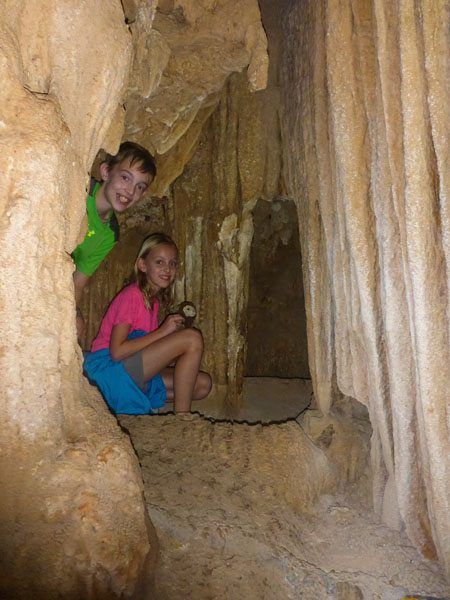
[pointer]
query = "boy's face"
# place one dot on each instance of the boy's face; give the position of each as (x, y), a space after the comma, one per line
(124, 185)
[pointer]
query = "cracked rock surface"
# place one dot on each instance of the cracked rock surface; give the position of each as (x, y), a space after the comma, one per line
(253, 512)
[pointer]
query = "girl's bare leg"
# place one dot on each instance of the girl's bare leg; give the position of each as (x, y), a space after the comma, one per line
(186, 348)
(202, 385)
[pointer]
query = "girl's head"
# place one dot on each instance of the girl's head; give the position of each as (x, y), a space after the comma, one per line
(155, 268)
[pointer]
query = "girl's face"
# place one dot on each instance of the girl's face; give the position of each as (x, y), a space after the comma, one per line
(160, 266)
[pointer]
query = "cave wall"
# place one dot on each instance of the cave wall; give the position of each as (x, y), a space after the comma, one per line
(73, 520)
(236, 162)
(365, 154)
(366, 133)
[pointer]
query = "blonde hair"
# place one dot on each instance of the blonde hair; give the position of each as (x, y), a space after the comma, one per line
(164, 297)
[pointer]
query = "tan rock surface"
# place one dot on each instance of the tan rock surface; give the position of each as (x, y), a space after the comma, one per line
(184, 54)
(237, 512)
(366, 148)
(73, 523)
(237, 161)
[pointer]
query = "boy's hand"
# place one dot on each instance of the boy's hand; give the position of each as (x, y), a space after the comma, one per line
(171, 324)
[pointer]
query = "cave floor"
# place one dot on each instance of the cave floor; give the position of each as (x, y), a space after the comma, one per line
(223, 535)
(264, 400)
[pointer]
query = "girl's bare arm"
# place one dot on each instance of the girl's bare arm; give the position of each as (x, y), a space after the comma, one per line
(120, 347)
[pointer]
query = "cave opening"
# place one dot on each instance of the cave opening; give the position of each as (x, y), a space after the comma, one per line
(276, 321)
(277, 381)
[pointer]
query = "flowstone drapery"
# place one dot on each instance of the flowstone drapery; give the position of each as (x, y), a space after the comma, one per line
(366, 145)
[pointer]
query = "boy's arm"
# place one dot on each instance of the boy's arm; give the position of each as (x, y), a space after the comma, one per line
(80, 281)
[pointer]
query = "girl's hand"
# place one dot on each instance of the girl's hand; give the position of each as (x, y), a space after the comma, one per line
(171, 324)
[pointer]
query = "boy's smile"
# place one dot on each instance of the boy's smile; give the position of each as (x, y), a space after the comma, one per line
(123, 186)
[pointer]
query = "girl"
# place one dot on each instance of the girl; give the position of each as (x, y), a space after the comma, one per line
(129, 357)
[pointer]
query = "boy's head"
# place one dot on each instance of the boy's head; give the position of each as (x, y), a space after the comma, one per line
(136, 155)
(126, 176)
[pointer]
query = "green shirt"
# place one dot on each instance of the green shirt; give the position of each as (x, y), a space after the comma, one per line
(99, 241)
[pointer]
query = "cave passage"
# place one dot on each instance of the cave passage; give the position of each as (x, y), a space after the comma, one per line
(348, 121)
(276, 322)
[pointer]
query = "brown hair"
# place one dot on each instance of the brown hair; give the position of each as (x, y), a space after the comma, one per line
(164, 297)
(136, 154)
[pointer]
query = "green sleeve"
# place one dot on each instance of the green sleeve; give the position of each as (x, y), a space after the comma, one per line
(100, 239)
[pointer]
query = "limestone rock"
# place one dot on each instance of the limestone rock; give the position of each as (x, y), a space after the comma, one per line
(183, 57)
(73, 521)
(348, 591)
(366, 115)
(238, 516)
(266, 456)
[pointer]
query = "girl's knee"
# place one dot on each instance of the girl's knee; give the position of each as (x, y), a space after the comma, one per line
(207, 383)
(194, 337)
(203, 386)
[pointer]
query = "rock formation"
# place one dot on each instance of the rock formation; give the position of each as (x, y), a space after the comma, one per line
(73, 521)
(366, 150)
(182, 59)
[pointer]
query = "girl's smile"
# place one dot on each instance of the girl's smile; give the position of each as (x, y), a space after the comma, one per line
(160, 266)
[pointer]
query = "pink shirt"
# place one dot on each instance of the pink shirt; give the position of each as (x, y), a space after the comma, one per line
(127, 307)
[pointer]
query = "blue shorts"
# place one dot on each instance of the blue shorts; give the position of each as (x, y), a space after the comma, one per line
(122, 385)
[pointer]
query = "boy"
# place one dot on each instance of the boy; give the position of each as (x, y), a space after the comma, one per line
(125, 180)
